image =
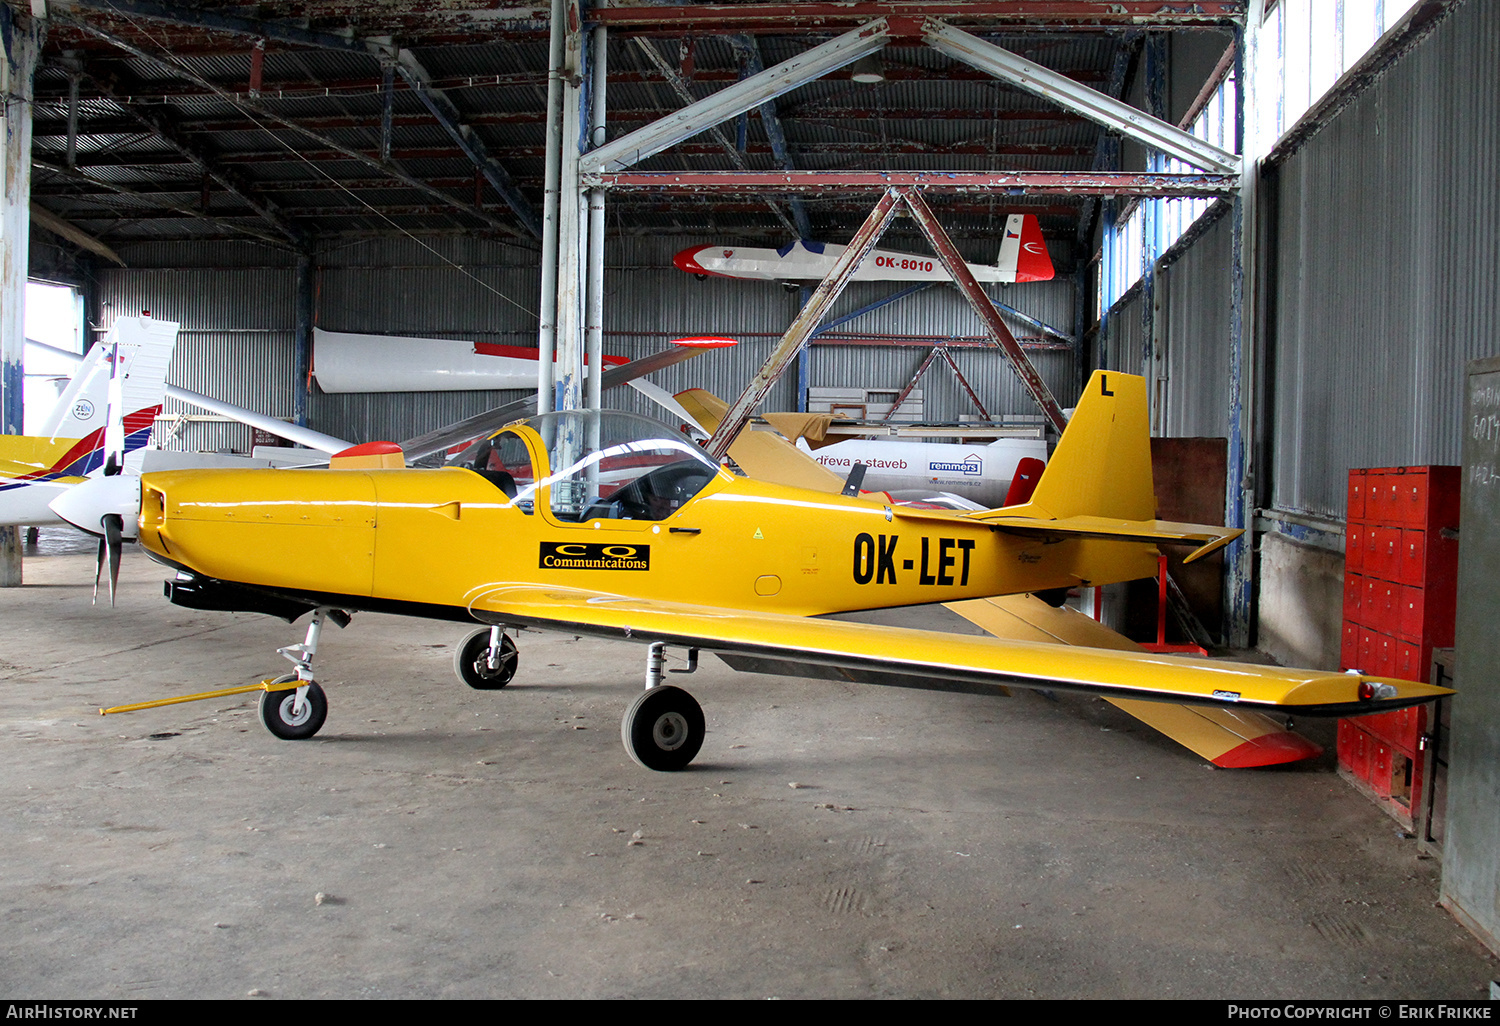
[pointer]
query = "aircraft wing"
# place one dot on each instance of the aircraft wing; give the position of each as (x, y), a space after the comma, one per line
(492, 420)
(835, 649)
(1231, 738)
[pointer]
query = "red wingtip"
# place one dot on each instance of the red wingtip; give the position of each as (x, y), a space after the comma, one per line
(705, 342)
(1269, 750)
(1033, 263)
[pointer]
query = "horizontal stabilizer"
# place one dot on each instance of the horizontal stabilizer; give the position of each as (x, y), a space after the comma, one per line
(1206, 537)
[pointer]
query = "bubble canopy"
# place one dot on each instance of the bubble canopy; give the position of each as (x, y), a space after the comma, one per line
(601, 464)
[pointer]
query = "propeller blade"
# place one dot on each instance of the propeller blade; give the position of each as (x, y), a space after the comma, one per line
(98, 569)
(113, 525)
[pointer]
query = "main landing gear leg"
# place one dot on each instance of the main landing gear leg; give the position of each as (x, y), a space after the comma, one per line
(486, 659)
(663, 728)
(297, 712)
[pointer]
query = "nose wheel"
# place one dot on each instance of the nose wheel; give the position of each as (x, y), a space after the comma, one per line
(294, 714)
(297, 713)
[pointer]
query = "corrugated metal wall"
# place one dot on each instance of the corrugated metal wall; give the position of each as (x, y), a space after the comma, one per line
(1386, 236)
(238, 344)
(235, 342)
(447, 287)
(1126, 335)
(1195, 295)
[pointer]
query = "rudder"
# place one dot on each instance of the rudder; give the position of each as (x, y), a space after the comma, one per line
(1102, 464)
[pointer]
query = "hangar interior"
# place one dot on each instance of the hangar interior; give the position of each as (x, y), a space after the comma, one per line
(1279, 212)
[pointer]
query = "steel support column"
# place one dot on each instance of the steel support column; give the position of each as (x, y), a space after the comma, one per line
(303, 292)
(1239, 500)
(804, 358)
(593, 327)
(1151, 209)
(20, 47)
(551, 202)
(572, 221)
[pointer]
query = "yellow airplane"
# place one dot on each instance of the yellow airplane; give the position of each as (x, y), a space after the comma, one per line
(615, 526)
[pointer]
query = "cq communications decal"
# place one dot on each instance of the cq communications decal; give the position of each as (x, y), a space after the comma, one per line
(581, 556)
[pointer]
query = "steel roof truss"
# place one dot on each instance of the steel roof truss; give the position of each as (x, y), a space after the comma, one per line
(738, 98)
(1031, 77)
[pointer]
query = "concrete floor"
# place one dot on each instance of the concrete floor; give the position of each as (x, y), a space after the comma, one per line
(830, 841)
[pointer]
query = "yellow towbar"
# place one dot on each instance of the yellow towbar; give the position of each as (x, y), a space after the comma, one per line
(269, 684)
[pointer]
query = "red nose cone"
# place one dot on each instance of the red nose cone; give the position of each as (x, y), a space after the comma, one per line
(687, 261)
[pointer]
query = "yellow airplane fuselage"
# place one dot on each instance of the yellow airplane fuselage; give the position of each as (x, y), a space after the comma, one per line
(443, 537)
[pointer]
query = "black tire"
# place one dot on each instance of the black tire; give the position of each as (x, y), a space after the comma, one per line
(276, 711)
(663, 728)
(471, 661)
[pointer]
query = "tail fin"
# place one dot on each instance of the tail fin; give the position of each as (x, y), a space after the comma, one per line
(1023, 251)
(1102, 466)
(1098, 484)
(145, 349)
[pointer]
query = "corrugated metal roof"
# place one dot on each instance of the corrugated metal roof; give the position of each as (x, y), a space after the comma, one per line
(929, 114)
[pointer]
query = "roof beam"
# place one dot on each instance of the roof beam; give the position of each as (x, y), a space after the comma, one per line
(262, 112)
(680, 87)
(152, 197)
(1091, 103)
(407, 66)
(211, 165)
(1035, 183)
(736, 99)
(830, 15)
(287, 89)
(749, 53)
(447, 115)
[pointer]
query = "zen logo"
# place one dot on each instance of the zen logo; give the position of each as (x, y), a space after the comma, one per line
(971, 465)
(581, 556)
(83, 409)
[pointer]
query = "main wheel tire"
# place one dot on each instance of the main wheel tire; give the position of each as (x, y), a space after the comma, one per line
(663, 728)
(471, 661)
(276, 711)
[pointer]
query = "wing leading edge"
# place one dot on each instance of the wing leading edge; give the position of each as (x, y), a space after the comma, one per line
(815, 647)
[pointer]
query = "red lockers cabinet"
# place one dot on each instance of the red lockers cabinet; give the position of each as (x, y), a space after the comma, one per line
(1400, 586)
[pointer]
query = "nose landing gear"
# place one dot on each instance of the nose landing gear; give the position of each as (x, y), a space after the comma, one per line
(296, 711)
